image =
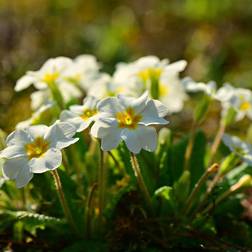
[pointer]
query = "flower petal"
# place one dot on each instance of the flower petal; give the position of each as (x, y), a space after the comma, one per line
(138, 104)
(58, 133)
(90, 102)
(110, 105)
(150, 115)
(24, 82)
(75, 120)
(177, 66)
(13, 151)
(161, 108)
(141, 138)
(18, 137)
(102, 127)
(37, 131)
(77, 109)
(24, 176)
(50, 160)
(111, 139)
(12, 167)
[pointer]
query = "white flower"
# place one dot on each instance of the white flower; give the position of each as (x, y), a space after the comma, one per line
(81, 116)
(225, 93)
(129, 119)
(240, 99)
(35, 117)
(242, 102)
(101, 87)
(236, 145)
(49, 75)
(209, 88)
(50, 72)
(157, 76)
(36, 149)
(82, 72)
(40, 98)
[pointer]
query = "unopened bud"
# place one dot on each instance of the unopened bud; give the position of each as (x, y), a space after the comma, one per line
(245, 181)
(213, 168)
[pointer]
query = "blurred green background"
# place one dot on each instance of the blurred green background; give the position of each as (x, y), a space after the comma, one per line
(214, 36)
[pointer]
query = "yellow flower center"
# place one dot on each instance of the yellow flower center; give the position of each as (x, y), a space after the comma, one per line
(87, 113)
(128, 118)
(150, 73)
(245, 105)
(51, 77)
(36, 148)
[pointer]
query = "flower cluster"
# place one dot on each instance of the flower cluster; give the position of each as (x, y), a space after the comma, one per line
(125, 116)
(123, 107)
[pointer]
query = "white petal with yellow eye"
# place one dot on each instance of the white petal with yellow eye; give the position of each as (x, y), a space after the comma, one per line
(37, 131)
(138, 104)
(76, 120)
(50, 160)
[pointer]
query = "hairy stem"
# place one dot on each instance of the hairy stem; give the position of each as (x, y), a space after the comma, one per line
(140, 180)
(198, 185)
(101, 187)
(88, 210)
(63, 201)
(217, 141)
(189, 147)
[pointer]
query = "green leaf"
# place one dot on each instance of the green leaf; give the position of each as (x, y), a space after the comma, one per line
(197, 160)
(30, 221)
(164, 200)
(182, 187)
(170, 159)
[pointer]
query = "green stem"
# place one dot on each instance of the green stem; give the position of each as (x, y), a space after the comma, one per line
(226, 194)
(217, 141)
(101, 187)
(63, 201)
(78, 168)
(140, 180)
(198, 185)
(57, 96)
(244, 182)
(117, 163)
(88, 210)
(189, 147)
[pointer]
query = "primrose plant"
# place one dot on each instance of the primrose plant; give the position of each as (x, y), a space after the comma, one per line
(100, 138)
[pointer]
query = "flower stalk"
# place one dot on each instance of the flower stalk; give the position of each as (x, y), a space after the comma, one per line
(245, 181)
(63, 201)
(140, 180)
(212, 169)
(88, 211)
(101, 187)
(217, 141)
(189, 147)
